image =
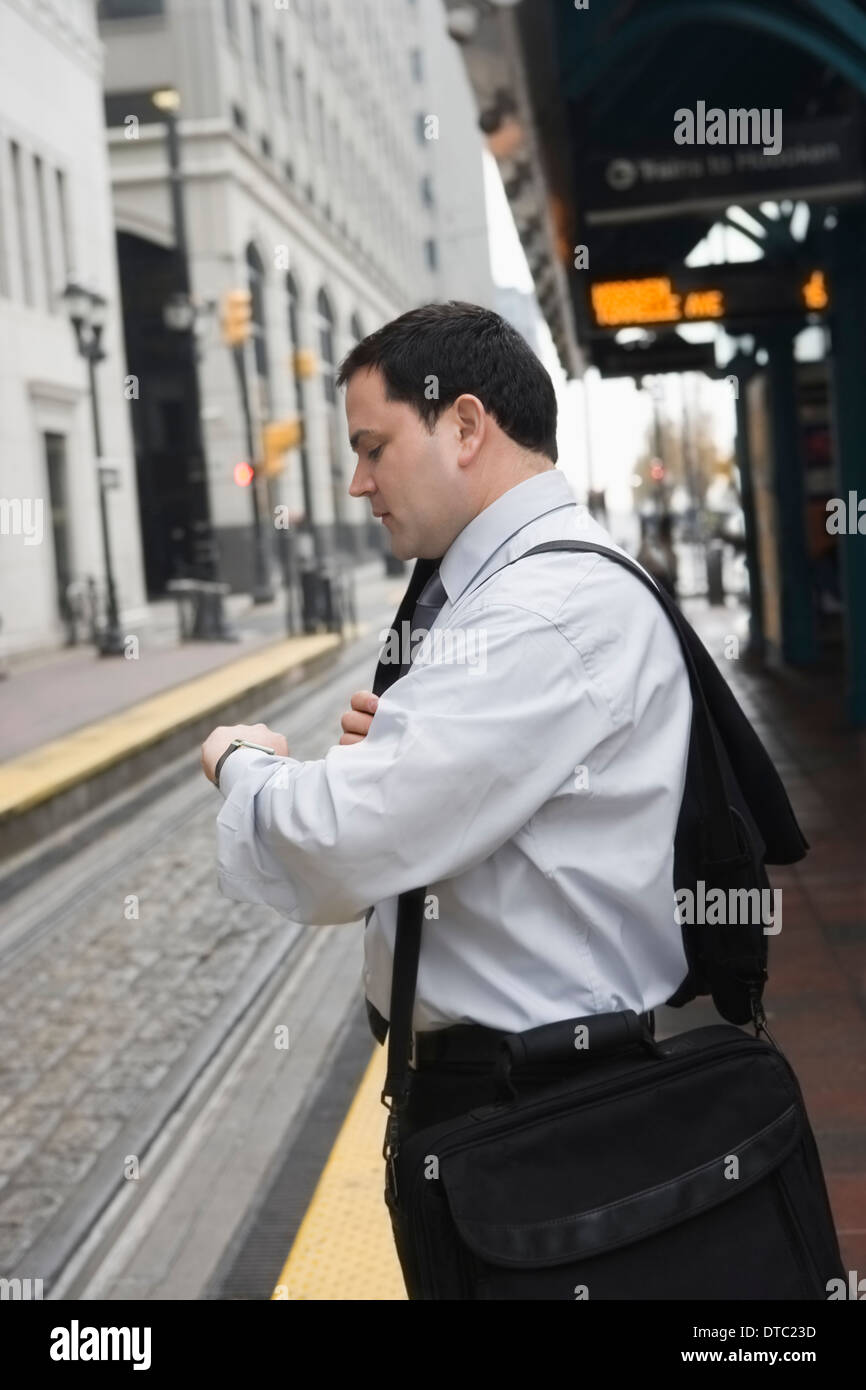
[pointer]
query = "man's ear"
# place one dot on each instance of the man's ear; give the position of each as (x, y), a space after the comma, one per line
(471, 420)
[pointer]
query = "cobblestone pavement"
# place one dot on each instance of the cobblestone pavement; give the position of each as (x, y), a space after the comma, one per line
(101, 1001)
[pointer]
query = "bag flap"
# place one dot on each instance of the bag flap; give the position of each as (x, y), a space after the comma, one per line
(560, 1185)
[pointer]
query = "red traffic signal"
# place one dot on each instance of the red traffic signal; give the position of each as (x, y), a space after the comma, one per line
(244, 474)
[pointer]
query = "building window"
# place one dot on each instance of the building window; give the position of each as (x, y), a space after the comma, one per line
(420, 127)
(326, 346)
(238, 117)
(301, 89)
(65, 256)
(265, 146)
(256, 282)
(416, 64)
(25, 240)
(355, 328)
(55, 464)
(427, 191)
(289, 171)
(282, 79)
(321, 23)
(44, 235)
(294, 305)
(432, 254)
(320, 125)
(4, 242)
(129, 9)
(336, 159)
(258, 40)
(230, 15)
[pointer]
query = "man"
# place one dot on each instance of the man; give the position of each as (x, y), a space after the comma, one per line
(528, 770)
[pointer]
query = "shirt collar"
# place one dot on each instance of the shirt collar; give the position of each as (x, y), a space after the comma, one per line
(470, 551)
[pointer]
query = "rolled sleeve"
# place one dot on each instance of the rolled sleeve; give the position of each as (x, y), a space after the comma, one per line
(458, 757)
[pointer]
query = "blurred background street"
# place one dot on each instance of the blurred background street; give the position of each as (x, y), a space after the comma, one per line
(203, 205)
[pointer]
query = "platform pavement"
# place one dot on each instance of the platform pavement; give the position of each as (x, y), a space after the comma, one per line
(49, 693)
(815, 998)
(79, 728)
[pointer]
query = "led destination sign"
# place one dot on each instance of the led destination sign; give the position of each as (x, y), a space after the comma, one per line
(729, 294)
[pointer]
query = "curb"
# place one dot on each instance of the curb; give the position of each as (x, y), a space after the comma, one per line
(38, 797)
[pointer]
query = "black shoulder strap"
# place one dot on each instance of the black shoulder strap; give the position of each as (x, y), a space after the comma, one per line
(721, 840)
(750, 762)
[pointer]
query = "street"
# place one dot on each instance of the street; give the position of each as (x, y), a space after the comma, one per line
(136, 1011)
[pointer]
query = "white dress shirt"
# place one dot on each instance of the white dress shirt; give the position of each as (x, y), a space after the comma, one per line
(534, 791)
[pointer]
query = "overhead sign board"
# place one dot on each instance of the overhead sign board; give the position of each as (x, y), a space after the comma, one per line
(737, 295)
(668, 353)
(816, 161)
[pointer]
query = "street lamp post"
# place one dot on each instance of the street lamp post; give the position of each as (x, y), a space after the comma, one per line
(87, 314)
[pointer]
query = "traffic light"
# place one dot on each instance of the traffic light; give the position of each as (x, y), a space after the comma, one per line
(280, 436)
(237, 317)
(244, 474)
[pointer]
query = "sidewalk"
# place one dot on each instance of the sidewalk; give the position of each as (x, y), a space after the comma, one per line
(80, 728)
(815, 998)
(52, 693)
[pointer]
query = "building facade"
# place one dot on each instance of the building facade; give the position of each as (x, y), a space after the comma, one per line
(56, 227)
(313, 176)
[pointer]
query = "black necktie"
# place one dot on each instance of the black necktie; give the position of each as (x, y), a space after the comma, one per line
(422, 600)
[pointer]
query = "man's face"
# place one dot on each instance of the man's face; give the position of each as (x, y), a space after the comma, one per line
(405, 472)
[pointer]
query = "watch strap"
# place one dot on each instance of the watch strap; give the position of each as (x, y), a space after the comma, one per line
(235, 743)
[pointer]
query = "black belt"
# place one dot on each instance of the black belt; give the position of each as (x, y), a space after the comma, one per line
(463, 1042)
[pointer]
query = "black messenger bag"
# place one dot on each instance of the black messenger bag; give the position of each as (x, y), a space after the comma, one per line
(682, 1169)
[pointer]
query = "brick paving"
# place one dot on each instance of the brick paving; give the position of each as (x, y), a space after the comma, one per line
(816, 994)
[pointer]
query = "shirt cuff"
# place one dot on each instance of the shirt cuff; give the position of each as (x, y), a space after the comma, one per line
(239, 762)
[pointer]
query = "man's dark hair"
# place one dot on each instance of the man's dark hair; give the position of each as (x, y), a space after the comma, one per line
(467, 349)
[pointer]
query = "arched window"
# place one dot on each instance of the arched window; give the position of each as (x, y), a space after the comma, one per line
(294, 298)
(326, 346)
(256, 281)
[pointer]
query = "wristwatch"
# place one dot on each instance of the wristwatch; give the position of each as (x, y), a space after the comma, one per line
(237, 743)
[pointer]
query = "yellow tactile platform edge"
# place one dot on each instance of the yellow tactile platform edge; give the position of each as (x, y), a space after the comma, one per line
(344, 1248)
(54, 767)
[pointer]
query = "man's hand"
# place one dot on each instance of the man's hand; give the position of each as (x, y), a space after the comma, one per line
(358, 719)
(216, 743)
